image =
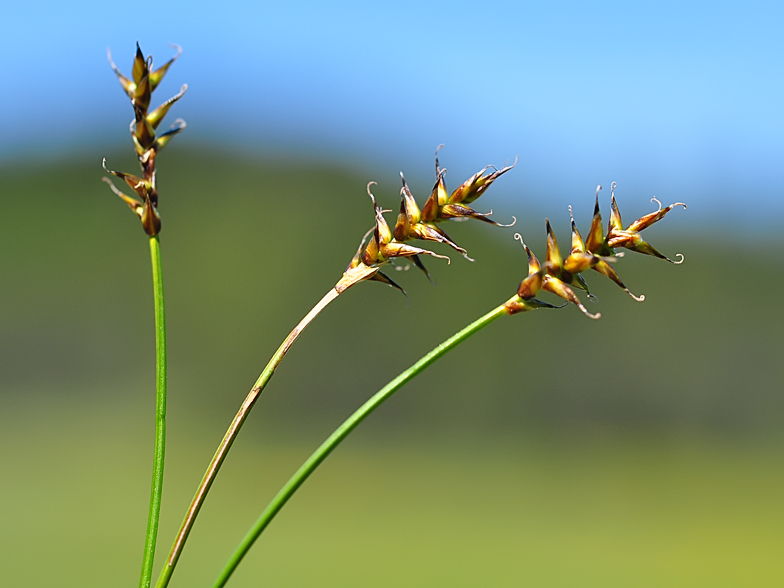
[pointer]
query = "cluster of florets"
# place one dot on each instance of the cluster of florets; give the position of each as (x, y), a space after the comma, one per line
(597, 252)
(382, 244)
(145, 138)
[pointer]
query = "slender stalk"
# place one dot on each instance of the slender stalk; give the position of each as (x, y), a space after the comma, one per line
(231, 435)
(341, 433)
(160, 414)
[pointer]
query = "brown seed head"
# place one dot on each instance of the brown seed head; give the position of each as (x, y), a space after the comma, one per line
(145, 138)
(559, 274)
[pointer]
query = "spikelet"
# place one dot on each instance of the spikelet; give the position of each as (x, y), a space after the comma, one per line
(147, 141)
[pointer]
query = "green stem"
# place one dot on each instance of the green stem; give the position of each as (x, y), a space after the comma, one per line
(160, 414)
(341, 433)
(230, 436)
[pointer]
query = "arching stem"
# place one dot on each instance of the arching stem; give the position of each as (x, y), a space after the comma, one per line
(341, 433)
(231, 435)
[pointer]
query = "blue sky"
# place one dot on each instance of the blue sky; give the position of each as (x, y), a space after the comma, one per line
(684, 101)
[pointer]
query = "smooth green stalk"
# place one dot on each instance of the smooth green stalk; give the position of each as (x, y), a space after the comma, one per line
(230, 436)
(341, 433)
(160, 414)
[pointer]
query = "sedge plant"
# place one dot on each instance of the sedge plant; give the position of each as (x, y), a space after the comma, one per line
(382, 245)
(144, 204)
(557, 276)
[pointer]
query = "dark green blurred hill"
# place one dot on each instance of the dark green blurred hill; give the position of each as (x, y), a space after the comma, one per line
(643, 449)
(250, 245)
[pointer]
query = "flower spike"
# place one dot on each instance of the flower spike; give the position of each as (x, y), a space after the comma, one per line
(139, 89)
(596, 253)
(384, 244)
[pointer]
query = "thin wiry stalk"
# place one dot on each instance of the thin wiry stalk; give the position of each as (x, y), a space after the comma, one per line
(160, 415)
(341, 433)
(230, 436)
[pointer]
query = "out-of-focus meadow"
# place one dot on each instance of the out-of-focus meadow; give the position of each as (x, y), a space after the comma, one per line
(643, 449)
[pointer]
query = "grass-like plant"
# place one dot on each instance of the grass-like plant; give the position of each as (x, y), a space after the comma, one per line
(382, 245)
(144, 204)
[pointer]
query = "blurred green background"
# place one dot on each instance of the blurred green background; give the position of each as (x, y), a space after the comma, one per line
(643, 449)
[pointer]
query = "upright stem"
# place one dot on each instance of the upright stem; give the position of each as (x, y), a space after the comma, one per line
(160, 414)
(341, 433)
(231, 435)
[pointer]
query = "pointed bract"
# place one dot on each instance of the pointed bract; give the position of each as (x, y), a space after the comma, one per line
(630, 237)
(156, 116)
(157, 75)
(604, 268)
(615, 223)
(531, 285)
(438, 197)
(142, 95)
(126, 84)
(411, 208)
(385, 279)
(142, 130)
(646, 221)
(595, 241)
(451, 211)
(554, 262)
(139, 69)
(151, 221)
(164, 139)
(431, 232)
(475, 186)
